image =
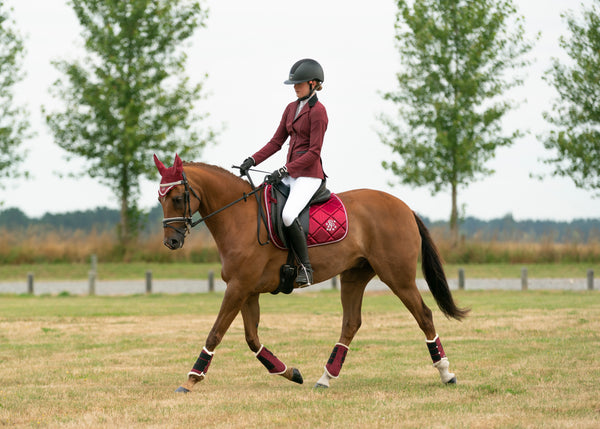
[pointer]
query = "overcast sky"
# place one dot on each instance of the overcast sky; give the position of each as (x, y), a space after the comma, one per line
(247, 49)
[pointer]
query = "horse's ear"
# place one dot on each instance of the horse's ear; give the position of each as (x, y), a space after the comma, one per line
(161, 167)
(178, 163)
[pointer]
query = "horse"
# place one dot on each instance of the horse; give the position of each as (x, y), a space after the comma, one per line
(384, 238)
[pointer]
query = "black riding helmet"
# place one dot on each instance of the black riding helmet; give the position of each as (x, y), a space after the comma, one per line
(305, 70)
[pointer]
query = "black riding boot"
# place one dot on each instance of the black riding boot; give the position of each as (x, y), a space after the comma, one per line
(297, 241)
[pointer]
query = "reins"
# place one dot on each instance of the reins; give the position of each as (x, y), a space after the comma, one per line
(190, 223)
(261, 213)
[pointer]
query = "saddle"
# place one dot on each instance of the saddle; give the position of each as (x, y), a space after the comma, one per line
(324, 221)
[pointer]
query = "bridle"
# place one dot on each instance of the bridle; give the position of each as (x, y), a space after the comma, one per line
(187, 210)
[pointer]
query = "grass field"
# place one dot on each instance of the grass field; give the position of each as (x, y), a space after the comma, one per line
(523, 360)
(190, 270)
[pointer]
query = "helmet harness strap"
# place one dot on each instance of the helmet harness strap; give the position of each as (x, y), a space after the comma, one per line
(310, 93)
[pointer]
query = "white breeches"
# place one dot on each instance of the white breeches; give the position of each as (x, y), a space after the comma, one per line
(301, 191)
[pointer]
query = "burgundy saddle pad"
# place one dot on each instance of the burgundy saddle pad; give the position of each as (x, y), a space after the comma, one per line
(328, 221)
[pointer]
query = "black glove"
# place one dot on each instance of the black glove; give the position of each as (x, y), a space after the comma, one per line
(276, 176)
(248, 162)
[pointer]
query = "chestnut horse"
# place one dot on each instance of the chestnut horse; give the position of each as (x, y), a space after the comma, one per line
(384, 238)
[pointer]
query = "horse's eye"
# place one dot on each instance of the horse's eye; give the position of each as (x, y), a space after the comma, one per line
(178, 201)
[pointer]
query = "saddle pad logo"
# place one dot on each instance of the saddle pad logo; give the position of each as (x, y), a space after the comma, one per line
(331, 225)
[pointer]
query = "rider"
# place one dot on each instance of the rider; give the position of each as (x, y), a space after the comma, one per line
(305, 122)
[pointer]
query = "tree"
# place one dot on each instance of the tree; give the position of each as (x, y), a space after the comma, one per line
(576, 113)
(14, 125)
(128, 98)
(455, 55)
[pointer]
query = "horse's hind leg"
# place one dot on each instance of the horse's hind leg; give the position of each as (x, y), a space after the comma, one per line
(353, 283)
(411, 298)
(251, 316)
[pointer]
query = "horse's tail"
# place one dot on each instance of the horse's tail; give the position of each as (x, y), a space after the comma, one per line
(433, 271)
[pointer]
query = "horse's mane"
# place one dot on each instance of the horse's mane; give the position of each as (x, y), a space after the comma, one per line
(216, 169)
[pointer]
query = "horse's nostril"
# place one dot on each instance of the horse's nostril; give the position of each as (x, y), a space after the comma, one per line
(174, 243)
(171, 243)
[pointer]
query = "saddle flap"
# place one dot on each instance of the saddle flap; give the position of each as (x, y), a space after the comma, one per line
(321, 195)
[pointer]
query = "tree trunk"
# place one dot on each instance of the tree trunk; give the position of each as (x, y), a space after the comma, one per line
(454, 218)
(124, 226)
(124, 192)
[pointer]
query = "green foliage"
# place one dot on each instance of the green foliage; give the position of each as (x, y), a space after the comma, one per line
(576, 113)
(455, 62)
(13, 119)
(129, 98)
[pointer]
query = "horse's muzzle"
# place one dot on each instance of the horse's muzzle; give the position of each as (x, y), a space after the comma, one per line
(173, 242)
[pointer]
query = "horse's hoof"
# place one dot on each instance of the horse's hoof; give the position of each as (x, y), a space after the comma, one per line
(296, 376)
(451, 381)
(182, 389)
(320, 386)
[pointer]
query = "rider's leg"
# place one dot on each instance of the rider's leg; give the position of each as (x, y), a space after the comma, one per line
(297, 241)
(301, 191)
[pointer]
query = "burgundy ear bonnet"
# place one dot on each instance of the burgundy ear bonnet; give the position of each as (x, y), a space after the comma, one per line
(171, 176)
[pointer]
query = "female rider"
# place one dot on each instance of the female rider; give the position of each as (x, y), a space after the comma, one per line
(305, 122)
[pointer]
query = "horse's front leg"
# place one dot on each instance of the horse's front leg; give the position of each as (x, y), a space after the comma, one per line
(230, 307)
(251, 316)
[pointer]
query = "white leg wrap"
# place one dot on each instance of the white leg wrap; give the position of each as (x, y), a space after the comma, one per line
(198, 377)
(324, 380)
(259, 350)
(445, 375)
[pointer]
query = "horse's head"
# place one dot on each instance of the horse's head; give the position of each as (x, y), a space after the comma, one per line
(174, 196)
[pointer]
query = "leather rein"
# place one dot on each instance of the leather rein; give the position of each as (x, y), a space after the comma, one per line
(187, 211)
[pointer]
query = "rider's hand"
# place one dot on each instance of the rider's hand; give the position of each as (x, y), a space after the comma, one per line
(276, 176)
(248, 162)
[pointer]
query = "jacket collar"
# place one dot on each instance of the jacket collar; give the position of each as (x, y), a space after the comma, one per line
(312, 99)
(311, 102)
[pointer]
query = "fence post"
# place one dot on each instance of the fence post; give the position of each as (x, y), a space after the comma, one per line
(92, 283)
(94, 262)
(461, 278)
(334, 283)
(211, 281)
(524, 278)
(92, 274)
(30, 283)
(590, 279)
(148, 281)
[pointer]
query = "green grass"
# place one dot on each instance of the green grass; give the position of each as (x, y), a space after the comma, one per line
(523, 359)
(110, 271)
(186, 270)
(550, 270)
(19, 307)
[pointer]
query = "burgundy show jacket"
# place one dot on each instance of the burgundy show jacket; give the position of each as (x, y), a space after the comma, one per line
(306, 134)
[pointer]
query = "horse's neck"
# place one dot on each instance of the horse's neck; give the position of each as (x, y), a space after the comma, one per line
(216, 189)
